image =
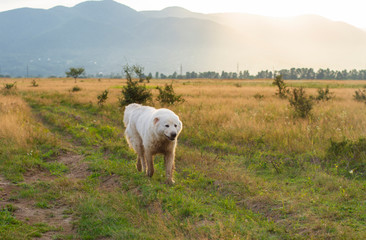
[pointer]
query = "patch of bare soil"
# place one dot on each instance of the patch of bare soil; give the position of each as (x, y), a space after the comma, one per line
(58, 215)
(110, 183)
(26, 211)
(77, 168)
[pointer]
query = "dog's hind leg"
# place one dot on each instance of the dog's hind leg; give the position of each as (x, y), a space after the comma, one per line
(141, 163)
(135, 142)
(138, 164)
(139, 148)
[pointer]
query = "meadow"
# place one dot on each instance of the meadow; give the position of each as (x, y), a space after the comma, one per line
(246, 166)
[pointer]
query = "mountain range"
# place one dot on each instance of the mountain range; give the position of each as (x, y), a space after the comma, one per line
(102, 36)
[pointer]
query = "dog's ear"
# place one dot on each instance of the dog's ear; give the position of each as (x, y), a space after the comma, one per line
(156, 120)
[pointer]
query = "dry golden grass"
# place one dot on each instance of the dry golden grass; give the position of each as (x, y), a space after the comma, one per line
(232, 113)
(227, 109)
(14, 120)
(18, 126)
(310, 203)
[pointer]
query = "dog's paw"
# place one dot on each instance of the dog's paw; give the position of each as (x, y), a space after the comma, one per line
(170, 181)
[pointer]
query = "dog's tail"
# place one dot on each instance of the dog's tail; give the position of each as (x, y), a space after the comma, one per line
(128, 110)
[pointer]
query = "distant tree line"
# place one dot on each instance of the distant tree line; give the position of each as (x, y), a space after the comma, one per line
(5, 76)
(293, 73)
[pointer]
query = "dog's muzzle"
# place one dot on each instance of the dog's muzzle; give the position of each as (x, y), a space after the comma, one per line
(172, 136)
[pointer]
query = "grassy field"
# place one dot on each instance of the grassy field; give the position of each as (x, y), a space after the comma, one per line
(246, 167)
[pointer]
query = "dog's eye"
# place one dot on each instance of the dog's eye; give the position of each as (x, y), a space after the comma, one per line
(175, 125)
(167, 125)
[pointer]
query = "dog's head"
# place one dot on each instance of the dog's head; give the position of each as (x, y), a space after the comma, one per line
(168, 125)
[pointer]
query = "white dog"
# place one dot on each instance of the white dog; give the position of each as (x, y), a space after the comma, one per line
(150, 131)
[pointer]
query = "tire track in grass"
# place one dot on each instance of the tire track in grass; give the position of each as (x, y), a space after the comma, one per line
(57, 216)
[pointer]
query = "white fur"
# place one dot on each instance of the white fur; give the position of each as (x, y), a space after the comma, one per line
(151, 131)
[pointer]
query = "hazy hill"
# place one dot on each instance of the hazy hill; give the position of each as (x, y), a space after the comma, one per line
(102, 36)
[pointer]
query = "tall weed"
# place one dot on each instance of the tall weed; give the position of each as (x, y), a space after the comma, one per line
(102, 98)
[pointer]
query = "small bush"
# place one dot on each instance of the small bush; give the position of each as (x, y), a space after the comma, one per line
(282, 88)
(360, 95)
(9, 89)
(134, 92)
(300, 102)
(34, 83)
(258, 96)
(9, 86)
(76, 89)
(168, 96)
(324, 94)
(102, 98)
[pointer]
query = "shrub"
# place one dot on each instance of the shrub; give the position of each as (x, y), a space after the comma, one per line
(9, 86)
(102, 98)
(76, 89)
(133, 92)
(258, 96)
(34, 83)
(324, 94)
(360, 95)
(9, 89)
(282, 88)
(168, 96)
(300, 102)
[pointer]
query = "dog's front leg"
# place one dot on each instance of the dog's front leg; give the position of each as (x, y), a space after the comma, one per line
(149, 163)
(169, 167)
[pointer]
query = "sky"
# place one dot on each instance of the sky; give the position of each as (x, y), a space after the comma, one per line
(349, 11)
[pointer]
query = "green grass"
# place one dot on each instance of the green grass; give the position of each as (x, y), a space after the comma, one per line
(224, 189)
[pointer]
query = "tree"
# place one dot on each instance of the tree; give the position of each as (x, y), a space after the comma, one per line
(75, 72)
(163, 76)
(320, 74)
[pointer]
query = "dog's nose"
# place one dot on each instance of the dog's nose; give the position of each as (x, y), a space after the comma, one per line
(173, 135)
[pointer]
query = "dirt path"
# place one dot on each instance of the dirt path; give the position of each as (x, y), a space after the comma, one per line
(58, 215)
